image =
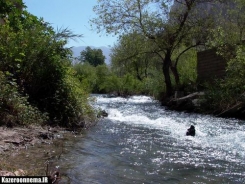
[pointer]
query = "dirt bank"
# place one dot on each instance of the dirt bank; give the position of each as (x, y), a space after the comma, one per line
(29, 150)
(19, 137)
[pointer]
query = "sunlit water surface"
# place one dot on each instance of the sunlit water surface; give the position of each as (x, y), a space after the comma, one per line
(142, 142)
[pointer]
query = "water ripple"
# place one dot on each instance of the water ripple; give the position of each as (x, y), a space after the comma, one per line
(142, 142)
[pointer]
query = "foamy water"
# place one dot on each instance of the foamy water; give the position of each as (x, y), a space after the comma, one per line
(142, 142)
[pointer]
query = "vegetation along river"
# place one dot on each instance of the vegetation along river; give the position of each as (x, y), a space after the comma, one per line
(141, 142)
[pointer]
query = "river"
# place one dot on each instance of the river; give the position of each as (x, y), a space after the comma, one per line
(142, 142)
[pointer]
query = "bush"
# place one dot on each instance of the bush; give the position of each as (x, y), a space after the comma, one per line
(226, 93)
(38, 64)
(72, 107)
(14, 107)
(86, 74)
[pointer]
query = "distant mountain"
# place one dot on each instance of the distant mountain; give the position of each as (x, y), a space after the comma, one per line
(106, 52)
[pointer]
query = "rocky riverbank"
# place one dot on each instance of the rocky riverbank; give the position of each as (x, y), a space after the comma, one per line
(17, 138)
(32, 150)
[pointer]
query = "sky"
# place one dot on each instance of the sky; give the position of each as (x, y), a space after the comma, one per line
(74, 15)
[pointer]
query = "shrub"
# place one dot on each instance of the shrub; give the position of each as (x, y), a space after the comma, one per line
(14, 107)
(38, 64)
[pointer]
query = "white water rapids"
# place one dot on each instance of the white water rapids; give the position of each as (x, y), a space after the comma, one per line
(142, 142)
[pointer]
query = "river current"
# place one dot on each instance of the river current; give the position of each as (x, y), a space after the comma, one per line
(142, 142)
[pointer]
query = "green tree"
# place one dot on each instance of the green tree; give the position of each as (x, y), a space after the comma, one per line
(132, 55)
(228, 37)
(86, 74)
(34, 56)
(91, 77)
(102, 72)
(94, 57)
(122, 86)
(11, 10)
(166, 26)
(230, 30)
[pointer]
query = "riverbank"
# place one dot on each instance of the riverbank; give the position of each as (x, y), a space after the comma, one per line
(28, 151)
(14, 139)
(196, 103)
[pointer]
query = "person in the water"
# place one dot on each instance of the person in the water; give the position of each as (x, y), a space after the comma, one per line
(191, 131)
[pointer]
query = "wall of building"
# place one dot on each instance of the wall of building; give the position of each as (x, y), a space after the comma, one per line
(210, 66)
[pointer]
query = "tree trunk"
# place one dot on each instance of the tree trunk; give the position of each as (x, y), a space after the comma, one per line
(138, 74)
(176, 75)
(165, 68)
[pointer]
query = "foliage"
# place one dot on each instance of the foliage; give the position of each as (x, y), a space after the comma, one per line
(35, 57)
(188, 71)
(132, 54)
(228, 38)
(14, 107)
(11, 11)
(229, 31)
(72, 103)
(102, 72)
(102, 79)
(94, 57)
(138, 59)
(230, 91)
(91, 77)
(235, 73)
(122, 86)
(86, 74)
(168, 24)
(133, 70)
(153, 85)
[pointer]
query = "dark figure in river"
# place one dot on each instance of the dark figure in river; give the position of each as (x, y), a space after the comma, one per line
(191, 131)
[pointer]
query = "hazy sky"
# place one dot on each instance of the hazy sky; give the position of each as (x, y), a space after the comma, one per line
(75, 15)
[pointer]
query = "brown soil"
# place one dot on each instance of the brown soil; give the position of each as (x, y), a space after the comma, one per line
(29, 150)
(19, 137)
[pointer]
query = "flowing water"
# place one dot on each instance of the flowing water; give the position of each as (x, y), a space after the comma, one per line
(142, 142)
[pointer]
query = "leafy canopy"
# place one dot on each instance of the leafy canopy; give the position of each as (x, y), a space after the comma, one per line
(94, 57)
(35, 61)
